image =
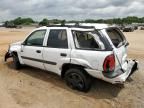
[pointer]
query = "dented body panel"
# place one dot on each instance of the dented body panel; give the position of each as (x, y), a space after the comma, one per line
(119, 76)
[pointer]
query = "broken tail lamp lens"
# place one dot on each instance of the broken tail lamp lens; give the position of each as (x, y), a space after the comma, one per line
(109, 63)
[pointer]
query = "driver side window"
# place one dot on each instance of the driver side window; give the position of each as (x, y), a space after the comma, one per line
(36, 38)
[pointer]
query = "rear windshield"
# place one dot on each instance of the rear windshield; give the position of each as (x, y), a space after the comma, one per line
(116, 37)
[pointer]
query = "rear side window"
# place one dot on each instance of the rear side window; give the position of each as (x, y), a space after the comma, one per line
(116, 37)
(85, 40)
(57, 39)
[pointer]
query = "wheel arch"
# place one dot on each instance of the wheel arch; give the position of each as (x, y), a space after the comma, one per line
(67, 66)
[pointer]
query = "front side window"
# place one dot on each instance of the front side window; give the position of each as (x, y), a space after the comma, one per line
(85, 40)
(116, 37)
(57, 39)
(36, 38)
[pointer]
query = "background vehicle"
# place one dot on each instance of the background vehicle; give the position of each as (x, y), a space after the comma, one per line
(142, 28)
(76, 53)
(135, 27)
(128, 29)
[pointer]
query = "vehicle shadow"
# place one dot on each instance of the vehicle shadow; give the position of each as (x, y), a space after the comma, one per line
(100, 89)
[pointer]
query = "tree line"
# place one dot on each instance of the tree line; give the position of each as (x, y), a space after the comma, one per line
(127, 20)
(19, 21)
(45, 21)
(119, 21)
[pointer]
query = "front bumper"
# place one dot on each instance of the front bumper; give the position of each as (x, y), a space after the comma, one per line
(7, 55)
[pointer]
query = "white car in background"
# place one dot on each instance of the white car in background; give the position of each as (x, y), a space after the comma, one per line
(76, 53)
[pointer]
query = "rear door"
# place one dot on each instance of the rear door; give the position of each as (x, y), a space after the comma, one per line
(31, 51)
(57, 50)
(119, 42)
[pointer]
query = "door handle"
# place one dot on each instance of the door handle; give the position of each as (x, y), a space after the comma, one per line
(38, 51)
(63, 54)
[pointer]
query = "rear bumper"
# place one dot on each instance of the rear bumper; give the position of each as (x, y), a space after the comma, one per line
(132, 66)
(119, 76)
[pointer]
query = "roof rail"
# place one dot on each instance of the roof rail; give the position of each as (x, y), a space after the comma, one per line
(72, 26)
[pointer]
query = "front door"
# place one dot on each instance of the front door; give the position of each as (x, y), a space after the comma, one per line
(32, 49)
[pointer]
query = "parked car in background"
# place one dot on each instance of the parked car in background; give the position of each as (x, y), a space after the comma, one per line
(76, 53)
(142, 28)
(1, 24)
(121, 27)
(9, 24)
(135, 27)
(128, 29)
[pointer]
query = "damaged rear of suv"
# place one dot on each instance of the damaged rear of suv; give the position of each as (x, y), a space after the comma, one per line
(117, 68)
(76, 53)
(108, 62)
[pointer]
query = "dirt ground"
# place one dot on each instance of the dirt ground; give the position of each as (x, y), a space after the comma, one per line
(34, 88)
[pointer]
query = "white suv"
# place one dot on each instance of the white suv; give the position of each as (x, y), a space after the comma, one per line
(76, 53)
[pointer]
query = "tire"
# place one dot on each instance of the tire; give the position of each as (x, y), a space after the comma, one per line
(78, 79)
(16, 63)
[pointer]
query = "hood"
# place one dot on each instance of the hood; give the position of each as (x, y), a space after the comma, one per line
(17, 43)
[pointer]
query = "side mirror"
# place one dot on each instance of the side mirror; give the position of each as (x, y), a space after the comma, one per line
(23, 43)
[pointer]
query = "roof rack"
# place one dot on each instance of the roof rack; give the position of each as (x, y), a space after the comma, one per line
(73, 26)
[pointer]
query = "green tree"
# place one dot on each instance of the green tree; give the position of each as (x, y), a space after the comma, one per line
(63, 22)
(25, 21)
(18, 21)
(44, 22)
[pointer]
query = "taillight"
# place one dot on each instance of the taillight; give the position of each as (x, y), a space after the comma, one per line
(109, 63)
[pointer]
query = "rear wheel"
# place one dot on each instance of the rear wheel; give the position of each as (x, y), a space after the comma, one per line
(16, 63)
(78, 79)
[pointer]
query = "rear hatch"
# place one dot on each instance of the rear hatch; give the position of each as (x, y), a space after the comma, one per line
(119, 44)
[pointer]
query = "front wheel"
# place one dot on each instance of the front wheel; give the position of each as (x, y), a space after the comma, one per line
(78, 79)
(16, 63)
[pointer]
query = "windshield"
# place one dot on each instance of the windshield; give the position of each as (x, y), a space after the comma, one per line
(86, 39)
(116, 37)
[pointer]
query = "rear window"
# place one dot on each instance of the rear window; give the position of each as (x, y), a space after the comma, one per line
(116, 37)
(85, 40)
